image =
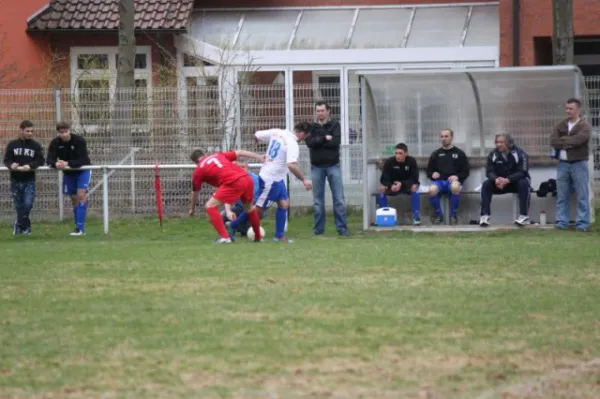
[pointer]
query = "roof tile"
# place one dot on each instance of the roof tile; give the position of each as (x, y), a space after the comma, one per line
(104, 14)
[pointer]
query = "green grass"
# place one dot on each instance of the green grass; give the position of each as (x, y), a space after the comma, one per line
(145, 314)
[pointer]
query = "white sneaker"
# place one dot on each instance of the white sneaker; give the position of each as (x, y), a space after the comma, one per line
(522, 220)
(222, 240)
(484, 221)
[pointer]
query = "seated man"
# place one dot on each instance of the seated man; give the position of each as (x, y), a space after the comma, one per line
(400, 175)
(448, 168)
(507, 171)
(233, 212)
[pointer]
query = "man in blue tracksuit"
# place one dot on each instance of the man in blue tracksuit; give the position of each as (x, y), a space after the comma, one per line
(68, 152)
(507, 171)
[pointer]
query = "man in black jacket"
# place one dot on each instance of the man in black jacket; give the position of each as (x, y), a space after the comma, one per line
(448, 168)
(507, 171)
(68, 152)
(400, 175)
(22, 157)
(324, 144)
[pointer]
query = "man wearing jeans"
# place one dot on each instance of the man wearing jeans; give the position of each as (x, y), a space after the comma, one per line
(570, 141)
(324, 144)
(22, 157)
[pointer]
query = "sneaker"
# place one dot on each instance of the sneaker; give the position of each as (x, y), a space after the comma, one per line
(453, 220)
(344, 233)
(283, 239)
(77, 232)
(416, 221)
(438, 220)
(484, 221)
(230, 231)
(27, 231)
(222, 240)
(522, 220)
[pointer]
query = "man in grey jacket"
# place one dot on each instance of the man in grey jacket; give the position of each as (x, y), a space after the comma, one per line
(570, 141)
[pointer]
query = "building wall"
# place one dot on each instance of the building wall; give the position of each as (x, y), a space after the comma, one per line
(20, 54)
(536, 22)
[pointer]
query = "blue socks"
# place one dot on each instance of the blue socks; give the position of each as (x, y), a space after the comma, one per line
(454, 202)
(240, 219)
(435, 204)
(280, 219)
(415, 204)
(79, 212)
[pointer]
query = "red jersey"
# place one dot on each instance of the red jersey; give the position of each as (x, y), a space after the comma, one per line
(217, 170)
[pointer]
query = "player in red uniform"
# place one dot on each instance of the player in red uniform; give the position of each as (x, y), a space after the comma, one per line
(233, 183)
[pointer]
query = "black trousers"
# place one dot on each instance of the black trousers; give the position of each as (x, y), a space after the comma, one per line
(521, 187)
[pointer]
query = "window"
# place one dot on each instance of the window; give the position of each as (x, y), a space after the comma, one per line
(94, 80)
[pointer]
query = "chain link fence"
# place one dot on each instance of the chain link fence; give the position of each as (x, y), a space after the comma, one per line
(167, 123)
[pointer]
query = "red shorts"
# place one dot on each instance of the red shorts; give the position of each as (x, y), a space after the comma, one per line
(240, 189)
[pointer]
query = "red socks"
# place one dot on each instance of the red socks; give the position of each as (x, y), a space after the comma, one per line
(255, 223)
(217, 221)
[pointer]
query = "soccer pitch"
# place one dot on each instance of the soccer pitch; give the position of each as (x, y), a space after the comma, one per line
(145, 314)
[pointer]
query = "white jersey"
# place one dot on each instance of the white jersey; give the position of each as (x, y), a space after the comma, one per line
(283, 149)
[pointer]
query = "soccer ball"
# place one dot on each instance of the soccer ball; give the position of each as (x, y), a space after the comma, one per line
(250, 233)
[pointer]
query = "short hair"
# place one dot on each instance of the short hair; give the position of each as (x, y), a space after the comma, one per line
(449, 130)
(305, 127)
(63, 126)
(507, 138)
(402, 146)
(196, 155)
(322, 102)
(26, 124)
(574, 101)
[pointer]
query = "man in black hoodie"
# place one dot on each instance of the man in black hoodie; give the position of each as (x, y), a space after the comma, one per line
(22, 157)
(324, 144)
(68, 152)
(400, 175)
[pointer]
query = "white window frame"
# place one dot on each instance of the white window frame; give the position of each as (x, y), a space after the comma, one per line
(109, 74)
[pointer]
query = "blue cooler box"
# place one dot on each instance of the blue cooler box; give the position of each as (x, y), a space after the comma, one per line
(385, 217)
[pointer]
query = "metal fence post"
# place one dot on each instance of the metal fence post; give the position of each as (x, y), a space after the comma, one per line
(58, 117)
(133, 150)
(105, 198)
(61, 196)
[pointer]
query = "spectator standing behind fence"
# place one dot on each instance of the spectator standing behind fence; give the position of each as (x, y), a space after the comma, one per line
(448, 168)
(324, 145)
(507, 171)
(22, 157)
(68, 152)
(400, 175)
(570, 141)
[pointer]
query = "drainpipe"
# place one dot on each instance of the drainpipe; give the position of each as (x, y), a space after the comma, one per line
(516, 6)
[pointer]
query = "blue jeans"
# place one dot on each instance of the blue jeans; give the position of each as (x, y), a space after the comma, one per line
(573, 175)
(23, 194)
(333, 174)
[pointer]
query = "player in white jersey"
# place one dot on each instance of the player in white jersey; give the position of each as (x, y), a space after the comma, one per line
(282, 156)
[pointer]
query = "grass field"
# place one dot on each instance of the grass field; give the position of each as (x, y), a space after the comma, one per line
(145, 314)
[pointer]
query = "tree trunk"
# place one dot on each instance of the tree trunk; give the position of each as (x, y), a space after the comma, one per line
(125, 90)
(562, 38)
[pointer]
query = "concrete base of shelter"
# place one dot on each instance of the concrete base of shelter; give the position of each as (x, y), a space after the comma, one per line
(458, 228)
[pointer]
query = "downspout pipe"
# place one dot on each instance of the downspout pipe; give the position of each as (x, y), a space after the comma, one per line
(516, 36)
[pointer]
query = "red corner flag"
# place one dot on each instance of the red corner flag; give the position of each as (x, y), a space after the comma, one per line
(159, 204)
